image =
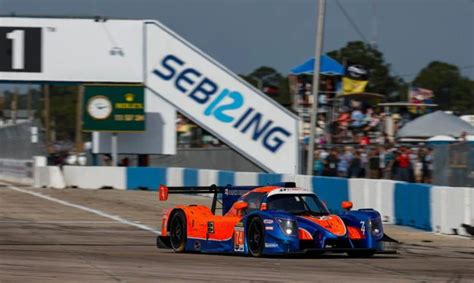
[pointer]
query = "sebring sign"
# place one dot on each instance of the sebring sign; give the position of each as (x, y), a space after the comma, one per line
(220, 101)
(222, 104)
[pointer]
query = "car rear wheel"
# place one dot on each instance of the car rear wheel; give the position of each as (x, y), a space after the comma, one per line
(178, 232)
(256, 237)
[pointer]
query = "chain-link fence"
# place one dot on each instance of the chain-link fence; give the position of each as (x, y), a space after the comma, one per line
(21, 141)
(454, 165)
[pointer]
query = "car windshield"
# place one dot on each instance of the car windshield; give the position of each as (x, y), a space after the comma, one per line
(297, 204)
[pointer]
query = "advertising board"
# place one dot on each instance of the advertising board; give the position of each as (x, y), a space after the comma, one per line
(114, 108)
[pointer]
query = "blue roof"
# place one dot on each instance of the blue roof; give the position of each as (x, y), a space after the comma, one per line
(328, 66)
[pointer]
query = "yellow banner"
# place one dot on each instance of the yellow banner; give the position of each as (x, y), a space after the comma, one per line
(353, 86)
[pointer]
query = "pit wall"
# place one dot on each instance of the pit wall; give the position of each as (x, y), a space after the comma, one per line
(431, 208)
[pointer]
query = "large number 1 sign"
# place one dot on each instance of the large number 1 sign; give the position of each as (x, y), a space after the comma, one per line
(20, 49)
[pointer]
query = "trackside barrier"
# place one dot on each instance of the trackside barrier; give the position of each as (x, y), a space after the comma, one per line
(455, 206)
(376, 194)
(49, 176)
(431, 208)
(332, 191)
(413, 205)
(417, 205)
(95, 177)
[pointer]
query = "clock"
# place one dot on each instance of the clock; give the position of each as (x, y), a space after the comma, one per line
(99, 107)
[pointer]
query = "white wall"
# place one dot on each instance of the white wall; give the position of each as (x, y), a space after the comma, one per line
(376, 194)
(450, 208)
(49, 176)
(95, 177)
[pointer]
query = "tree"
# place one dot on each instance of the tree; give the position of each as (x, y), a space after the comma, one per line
(451, 90)
(63, 110)
(380, 80)
(270, 78)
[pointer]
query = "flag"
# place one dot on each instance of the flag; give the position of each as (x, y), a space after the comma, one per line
(355, 80)
(357, 72)
(353, 86)
(419, 95)
(270, 90)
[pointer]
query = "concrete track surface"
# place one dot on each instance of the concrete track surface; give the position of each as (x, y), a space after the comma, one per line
(61, 236)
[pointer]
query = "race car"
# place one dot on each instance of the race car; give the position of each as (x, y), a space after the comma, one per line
(276, 219)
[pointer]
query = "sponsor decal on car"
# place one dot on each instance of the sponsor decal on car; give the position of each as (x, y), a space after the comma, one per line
(197, 245)
(271, 245)
(210, 227)
(239, 237)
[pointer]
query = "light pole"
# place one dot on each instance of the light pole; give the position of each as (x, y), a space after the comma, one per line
(317, 65)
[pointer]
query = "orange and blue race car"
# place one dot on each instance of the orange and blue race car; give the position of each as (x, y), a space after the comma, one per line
(268, 220)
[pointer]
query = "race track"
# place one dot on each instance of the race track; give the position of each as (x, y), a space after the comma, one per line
(77, 235)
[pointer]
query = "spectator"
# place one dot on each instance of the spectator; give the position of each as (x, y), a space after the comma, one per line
(342, 123)
(107, 159)
(323, 154)
(374, 164)
(355, 168)
(364, 139)
(364, 161)
(125, 162)
(357, 119)
(403, 166)
(373, 123)
(344, 162)
(383, 165)
(318, 164)
(426, 165)
(331, 163)
(415, 165)
(383, 139)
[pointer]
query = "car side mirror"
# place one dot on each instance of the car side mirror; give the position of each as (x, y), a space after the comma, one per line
(241, 205)
(163, 193)
(346, 205)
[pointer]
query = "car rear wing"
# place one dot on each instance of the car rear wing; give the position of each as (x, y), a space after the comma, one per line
(227, 195)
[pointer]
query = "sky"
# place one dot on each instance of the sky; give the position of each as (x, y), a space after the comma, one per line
(246, 34)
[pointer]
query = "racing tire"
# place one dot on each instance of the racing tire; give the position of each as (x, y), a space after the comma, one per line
(361, 254)
(178, 235)
(256, 237)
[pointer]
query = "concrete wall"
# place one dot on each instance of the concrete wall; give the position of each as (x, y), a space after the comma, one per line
(431, 208)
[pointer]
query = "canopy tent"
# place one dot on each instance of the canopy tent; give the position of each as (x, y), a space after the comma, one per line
(441, 140)
(435, 124)
(328, 66)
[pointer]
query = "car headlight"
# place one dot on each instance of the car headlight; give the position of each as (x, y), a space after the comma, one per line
(375, 226)
(288, 226)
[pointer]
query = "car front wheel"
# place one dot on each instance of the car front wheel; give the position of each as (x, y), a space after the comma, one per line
(256, 237)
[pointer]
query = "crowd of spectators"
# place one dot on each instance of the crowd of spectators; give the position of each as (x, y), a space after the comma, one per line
(362, 124)
(382, 162)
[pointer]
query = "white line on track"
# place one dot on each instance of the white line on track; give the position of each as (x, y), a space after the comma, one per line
(85, 208)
